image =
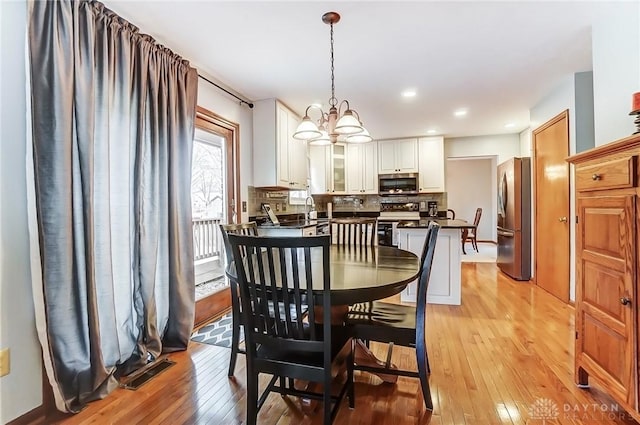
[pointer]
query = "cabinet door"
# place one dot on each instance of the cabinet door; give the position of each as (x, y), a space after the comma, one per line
(407, 156)
(431, 164)
(412, 242)
(398, 156)
(370, 168)
(319, 169)
(282, 117)
(354, 167)
(387, 157)
(338, 168)
(298, 162)
(605, 296)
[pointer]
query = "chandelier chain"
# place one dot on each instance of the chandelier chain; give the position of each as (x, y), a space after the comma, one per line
(333, 101)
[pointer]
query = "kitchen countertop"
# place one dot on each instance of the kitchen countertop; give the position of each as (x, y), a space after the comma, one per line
(296, 224)
(445, 224)
(404, 224)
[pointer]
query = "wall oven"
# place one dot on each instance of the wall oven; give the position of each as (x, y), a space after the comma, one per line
(401, 184)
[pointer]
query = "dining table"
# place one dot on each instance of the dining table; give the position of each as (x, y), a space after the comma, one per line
(359, 274)
(362, 274)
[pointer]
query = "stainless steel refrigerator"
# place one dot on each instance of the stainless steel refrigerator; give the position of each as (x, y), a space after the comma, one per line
(514, 218)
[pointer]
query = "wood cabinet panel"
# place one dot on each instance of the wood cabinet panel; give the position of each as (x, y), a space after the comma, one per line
(607, 237)
(613, 174)
(605, 278)
(601, 350)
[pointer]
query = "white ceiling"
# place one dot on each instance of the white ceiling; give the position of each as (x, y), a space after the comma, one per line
(496, 59)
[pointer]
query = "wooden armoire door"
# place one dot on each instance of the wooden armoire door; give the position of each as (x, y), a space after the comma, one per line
(605, 254)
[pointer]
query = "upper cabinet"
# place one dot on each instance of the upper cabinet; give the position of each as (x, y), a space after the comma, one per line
(362, 173)
(431, 164)
(319, 169)
(398, 156)
(279, 160)
(328, 169)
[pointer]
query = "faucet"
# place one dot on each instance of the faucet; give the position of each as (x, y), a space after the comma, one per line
(306, 205)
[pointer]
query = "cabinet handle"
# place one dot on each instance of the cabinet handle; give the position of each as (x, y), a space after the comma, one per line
(562, 219)
(625, 301)
(595, 177)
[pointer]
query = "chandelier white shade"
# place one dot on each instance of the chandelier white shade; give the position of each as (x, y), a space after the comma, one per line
(334, 123)
(361, 137)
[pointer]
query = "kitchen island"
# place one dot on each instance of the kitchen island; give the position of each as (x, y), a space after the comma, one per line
(302, 227)
(445, 281)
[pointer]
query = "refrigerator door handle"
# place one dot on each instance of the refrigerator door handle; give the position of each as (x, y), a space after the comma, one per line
(506, 233)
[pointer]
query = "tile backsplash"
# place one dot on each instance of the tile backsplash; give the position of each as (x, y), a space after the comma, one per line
(279, 201)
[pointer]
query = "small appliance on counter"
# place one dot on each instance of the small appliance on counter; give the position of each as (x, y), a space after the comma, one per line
(432, 208)
(272, 216)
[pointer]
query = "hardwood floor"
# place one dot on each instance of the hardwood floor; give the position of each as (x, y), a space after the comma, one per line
(504, 357)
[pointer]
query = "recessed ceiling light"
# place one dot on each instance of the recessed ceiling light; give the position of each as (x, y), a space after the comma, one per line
(510, 125)
(409, 93)
(460, 113)
(432, 131)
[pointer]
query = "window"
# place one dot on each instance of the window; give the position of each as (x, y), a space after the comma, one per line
(298, 197)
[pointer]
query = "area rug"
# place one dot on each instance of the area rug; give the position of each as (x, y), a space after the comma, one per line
(488, 253)
(217, 332)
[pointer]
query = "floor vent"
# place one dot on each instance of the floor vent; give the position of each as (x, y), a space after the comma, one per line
(144, 376)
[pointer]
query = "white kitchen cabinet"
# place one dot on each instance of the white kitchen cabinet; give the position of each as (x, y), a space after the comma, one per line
(328, 169)
(445, 281)
(279, 160)
(338, 163)
(362, 173)
(398, 156)
(431, 164)
(287, 231)
(319, 169)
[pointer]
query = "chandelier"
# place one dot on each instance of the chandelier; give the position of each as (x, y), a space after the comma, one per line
(332, 124)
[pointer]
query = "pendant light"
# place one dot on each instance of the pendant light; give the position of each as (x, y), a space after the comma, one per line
(334, 123)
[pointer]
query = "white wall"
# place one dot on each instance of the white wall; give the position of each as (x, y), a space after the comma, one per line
(616, 70)
(525, 142)
(504, 146)
(472, 183)
(560, 99)
(21, 390)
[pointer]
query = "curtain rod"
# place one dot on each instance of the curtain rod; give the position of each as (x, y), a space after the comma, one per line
(249, 104)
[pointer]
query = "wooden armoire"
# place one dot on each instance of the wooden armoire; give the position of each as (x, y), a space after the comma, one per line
(607, 263)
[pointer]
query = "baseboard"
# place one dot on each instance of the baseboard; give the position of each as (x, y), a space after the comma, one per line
(36, 416)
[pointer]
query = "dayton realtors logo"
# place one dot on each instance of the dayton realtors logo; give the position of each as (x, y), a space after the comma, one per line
(544, 409)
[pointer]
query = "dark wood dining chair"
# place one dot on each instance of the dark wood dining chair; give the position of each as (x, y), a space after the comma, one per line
(356, 231)
(250, 228)
(400, 324)
(277, 343)
(471, 234)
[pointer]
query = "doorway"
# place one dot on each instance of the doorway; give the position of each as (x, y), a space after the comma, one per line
(479, 173)
(214, 196)
(551, 211)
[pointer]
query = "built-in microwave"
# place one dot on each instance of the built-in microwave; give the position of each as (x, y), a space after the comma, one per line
(398, 184)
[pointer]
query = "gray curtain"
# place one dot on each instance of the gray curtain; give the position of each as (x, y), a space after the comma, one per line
(112, 131)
